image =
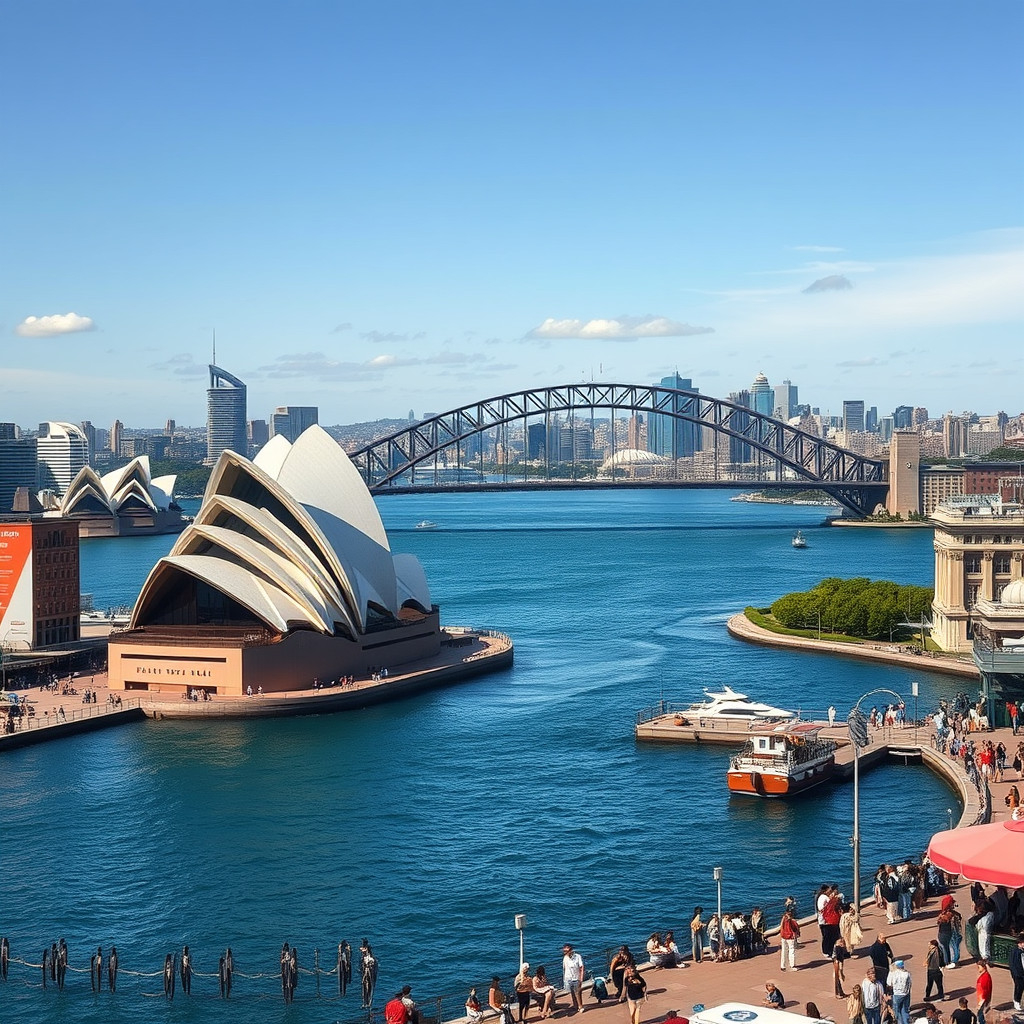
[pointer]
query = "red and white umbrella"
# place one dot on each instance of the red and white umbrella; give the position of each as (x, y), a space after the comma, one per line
(993, 854)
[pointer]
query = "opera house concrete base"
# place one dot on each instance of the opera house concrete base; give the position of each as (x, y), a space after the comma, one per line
(146, 524)
(464, 655)
(228, 661)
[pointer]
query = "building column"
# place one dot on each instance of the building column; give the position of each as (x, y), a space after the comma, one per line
(987, 577)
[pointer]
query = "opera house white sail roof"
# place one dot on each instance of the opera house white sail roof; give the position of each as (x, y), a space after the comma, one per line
(291, 539)
(119, 491)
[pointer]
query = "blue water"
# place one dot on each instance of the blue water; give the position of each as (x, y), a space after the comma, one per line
(427, 824)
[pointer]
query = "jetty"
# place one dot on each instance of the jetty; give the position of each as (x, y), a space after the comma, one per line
(666, 723)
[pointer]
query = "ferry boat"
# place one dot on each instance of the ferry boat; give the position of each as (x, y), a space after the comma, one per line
(798, 540)
(783, 760)
(729, 707)
(426, 524)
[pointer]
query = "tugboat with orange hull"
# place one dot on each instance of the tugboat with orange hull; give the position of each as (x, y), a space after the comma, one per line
(782, 760)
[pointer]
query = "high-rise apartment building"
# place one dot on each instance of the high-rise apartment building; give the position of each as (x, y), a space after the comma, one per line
(61, 451)
(954, 436)
(871, 420)
(292, 420)
(786, 401)
(225, 415)
(853, 417)
(115, 437)
(636, 437)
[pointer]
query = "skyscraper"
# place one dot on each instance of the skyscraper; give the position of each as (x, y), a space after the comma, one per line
(853, 417)
(786, 400)
(292, 420)
(668, 435)
(225, 415)
(62, 450)
(903, 417)
(115, 437)
(17, 464)
(762, 398)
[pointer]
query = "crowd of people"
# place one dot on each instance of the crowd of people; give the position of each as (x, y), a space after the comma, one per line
(883, 995)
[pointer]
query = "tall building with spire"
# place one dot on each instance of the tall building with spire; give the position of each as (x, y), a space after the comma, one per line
(225, 415)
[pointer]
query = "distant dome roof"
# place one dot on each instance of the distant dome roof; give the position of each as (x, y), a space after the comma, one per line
(1013, 593)
(633, 457)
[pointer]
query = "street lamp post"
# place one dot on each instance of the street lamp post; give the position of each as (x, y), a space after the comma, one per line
(717, 874)
(857, 724)
(520, 923)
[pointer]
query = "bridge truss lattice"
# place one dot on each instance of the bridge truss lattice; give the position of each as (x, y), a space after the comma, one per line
(411, 458)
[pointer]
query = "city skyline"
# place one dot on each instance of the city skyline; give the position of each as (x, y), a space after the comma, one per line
(394, 207)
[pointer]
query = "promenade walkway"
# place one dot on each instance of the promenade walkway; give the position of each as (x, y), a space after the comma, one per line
(742, 628)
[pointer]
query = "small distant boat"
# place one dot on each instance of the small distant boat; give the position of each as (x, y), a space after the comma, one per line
(798, 540)
(426, 524)
(782, 761)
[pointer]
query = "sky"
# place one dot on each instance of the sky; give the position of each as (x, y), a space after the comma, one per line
(388, 206)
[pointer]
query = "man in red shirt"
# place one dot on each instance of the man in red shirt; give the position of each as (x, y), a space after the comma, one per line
(395, 1011)
(983, 990)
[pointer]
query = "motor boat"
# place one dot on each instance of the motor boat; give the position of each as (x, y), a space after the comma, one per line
(798, 540)
(782, 760)
(729, 707)
(426, 524)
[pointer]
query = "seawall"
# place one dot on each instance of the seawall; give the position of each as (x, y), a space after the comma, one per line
(742, 628)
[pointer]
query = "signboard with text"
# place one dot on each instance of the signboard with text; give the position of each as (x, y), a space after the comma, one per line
(16, 620)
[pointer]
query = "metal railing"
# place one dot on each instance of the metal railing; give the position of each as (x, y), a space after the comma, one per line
(27, 722)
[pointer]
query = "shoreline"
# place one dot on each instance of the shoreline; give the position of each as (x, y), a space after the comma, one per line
(740, 627)
(492, 652)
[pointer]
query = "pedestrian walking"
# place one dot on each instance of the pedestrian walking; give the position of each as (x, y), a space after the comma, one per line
(634, 992)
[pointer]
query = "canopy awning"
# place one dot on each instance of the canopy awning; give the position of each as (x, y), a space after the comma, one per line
(992, 854)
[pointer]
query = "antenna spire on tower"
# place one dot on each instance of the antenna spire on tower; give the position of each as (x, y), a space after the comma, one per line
(215, 346)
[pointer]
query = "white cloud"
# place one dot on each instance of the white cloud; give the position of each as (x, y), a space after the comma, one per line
(618, 329)
(817, 248)
(832, 283)
(49, 326)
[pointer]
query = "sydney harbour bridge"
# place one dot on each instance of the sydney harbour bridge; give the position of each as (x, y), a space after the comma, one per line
(568, 436)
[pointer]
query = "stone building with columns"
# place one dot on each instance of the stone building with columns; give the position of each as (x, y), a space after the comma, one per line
(979, 551)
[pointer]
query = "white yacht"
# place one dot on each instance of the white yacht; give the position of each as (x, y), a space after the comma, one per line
(728, 706)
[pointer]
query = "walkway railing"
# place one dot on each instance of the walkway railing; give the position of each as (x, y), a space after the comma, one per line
(78, 713)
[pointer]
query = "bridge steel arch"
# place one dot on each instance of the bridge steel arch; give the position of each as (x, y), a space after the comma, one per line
(855, 481)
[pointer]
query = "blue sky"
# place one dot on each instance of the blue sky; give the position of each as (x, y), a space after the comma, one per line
(393, 205)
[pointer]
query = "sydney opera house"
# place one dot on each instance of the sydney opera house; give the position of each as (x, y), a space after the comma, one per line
(284, 577)
(124, 502)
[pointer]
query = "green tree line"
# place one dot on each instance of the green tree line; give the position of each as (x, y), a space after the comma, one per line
(872, 610)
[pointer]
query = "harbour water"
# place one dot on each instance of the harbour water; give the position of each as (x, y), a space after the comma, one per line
(426, 825)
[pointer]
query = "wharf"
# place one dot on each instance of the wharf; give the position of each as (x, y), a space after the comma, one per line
(885, 743)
